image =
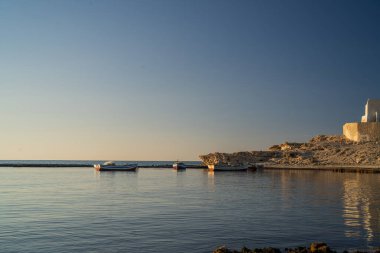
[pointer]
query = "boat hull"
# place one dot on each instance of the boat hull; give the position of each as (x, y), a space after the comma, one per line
(129, 167)
(178, 166)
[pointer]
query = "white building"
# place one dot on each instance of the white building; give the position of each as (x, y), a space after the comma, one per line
(372, 111)
(369, 128)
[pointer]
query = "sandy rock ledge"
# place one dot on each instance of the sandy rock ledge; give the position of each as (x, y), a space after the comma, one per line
(320, 150)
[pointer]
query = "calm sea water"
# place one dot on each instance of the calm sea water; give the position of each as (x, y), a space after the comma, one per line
(161, 210)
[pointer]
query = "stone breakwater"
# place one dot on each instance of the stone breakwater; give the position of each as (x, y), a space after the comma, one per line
(315, 247)
(321, 150)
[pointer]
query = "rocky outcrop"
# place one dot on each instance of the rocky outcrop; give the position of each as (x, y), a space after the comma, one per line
(320, 150)
(315, 247)
(240, 157)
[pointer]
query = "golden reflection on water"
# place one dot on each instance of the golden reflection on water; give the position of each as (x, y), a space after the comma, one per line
(360, 202)
(211, 180)
(357, 209)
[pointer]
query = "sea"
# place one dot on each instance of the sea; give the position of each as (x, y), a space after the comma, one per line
(78, 209)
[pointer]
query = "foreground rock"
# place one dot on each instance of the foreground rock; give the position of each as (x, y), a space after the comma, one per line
(320, 150)
(315, 247)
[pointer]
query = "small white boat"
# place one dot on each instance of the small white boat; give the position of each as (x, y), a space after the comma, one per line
(179, 166)
(111, 166)
(226, 167)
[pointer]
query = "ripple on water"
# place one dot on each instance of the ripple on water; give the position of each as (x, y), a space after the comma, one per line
(77, 209)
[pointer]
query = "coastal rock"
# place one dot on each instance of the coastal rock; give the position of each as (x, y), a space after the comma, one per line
(239, 157)
(319, 247)
(297, 250)
(290, 145)
(320, 150)
(264, 250)
(315, 247)
(223, 249)
(275, 148)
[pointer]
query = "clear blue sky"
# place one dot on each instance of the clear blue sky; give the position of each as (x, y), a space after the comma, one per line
(163, 80)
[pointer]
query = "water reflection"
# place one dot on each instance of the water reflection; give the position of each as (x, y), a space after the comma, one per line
(359, 205)
(156, 208)
(357, 209)
(211, 181)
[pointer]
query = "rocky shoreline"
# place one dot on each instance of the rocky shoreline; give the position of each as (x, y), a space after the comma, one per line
(315, 247)
(320, 151)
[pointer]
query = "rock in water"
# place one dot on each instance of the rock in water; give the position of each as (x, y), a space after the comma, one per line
(319, 247)
(223, 249)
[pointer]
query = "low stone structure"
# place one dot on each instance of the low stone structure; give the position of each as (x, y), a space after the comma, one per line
(369, 127)
(359, 131)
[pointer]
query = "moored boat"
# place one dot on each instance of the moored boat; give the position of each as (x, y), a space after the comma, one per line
(253, 167)
(179, 166)
(227, 167)
(111, 166)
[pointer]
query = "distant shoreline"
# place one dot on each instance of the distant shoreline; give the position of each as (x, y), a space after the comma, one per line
(73, 165)
(265, 166)
(43, 165)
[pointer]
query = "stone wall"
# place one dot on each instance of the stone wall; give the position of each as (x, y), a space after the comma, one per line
(360, 131)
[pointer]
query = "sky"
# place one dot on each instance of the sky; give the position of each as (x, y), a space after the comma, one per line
(173, 79)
